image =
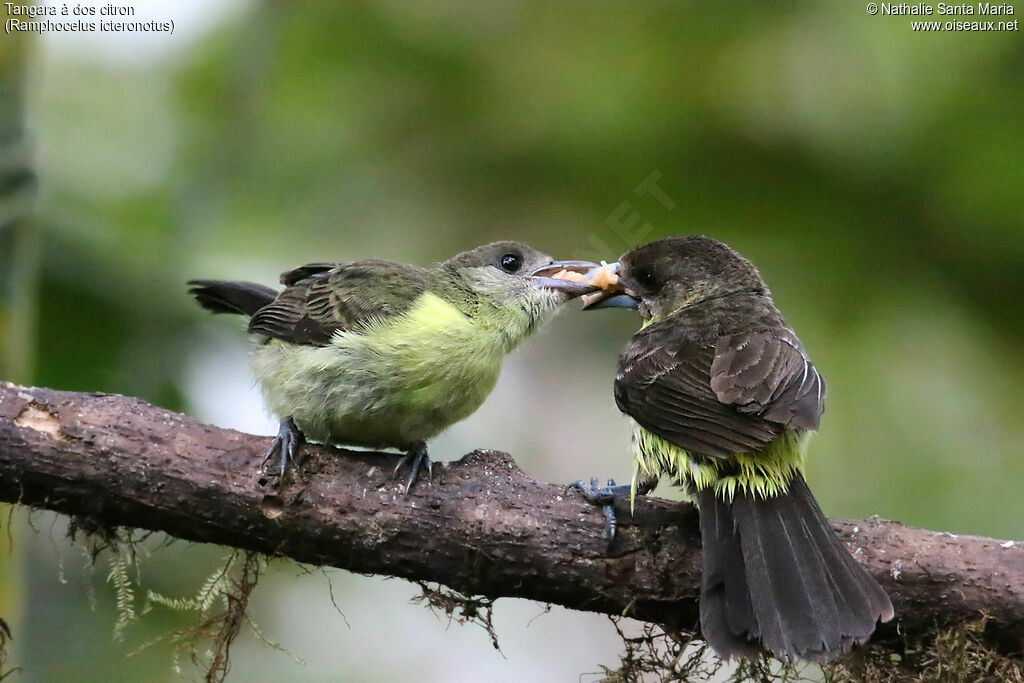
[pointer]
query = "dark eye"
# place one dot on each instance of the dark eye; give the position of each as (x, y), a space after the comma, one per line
(510, 263)
(645, 277)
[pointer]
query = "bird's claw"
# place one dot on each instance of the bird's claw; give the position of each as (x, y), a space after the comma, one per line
(416, 458)
(287, 442)
(595, 494)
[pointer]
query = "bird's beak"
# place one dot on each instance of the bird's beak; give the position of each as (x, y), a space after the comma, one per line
(544, 278)
(608, 300)
(615, 296)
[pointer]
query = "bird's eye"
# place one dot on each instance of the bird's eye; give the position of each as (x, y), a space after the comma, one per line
(510, 263)
(645, 277)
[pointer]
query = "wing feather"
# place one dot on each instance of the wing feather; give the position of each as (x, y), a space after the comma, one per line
(733, 394)
(322, 299)
(780, 383)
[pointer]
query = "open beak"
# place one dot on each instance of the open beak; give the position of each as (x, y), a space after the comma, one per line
(610, 297)
(542, 277)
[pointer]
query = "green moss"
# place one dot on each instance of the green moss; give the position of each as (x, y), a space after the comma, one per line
(459, 608)
(956, 653)
(219, 606)
(950, 655)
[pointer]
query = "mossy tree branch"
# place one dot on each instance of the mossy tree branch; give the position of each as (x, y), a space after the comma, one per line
(480, 526)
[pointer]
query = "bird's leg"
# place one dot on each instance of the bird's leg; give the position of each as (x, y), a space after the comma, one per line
(605, 497)
(416, 457)
(288, 441)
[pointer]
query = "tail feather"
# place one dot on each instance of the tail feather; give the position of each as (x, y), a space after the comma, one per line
(775, 574)
(222, 296)
(726, 615)
(792, 600)
(866, 601)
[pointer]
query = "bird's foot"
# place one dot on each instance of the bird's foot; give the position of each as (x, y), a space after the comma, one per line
(603, 496)
(416, 458)
(597, 494)
(287, 443)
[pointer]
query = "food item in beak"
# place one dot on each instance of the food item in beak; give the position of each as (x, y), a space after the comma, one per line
(603, 276)
(571, 276)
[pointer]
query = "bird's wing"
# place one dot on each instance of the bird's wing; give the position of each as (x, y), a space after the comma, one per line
(768, 373)
(703, 396)
(299, 274)
(322, 299)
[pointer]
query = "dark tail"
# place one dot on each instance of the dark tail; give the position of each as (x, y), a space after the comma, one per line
(221, 296)
(776, 577)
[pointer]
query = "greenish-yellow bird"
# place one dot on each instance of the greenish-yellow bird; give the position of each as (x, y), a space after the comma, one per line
(723, 397)
(383, 354)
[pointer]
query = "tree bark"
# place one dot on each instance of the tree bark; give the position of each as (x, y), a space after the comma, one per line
(479, 526)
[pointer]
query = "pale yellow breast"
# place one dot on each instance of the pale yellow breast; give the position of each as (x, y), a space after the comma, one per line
(398, 381)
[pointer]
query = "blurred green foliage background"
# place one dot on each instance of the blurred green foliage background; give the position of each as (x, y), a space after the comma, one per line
(873, 173)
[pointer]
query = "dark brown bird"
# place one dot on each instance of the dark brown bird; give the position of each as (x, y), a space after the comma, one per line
(723, 399)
